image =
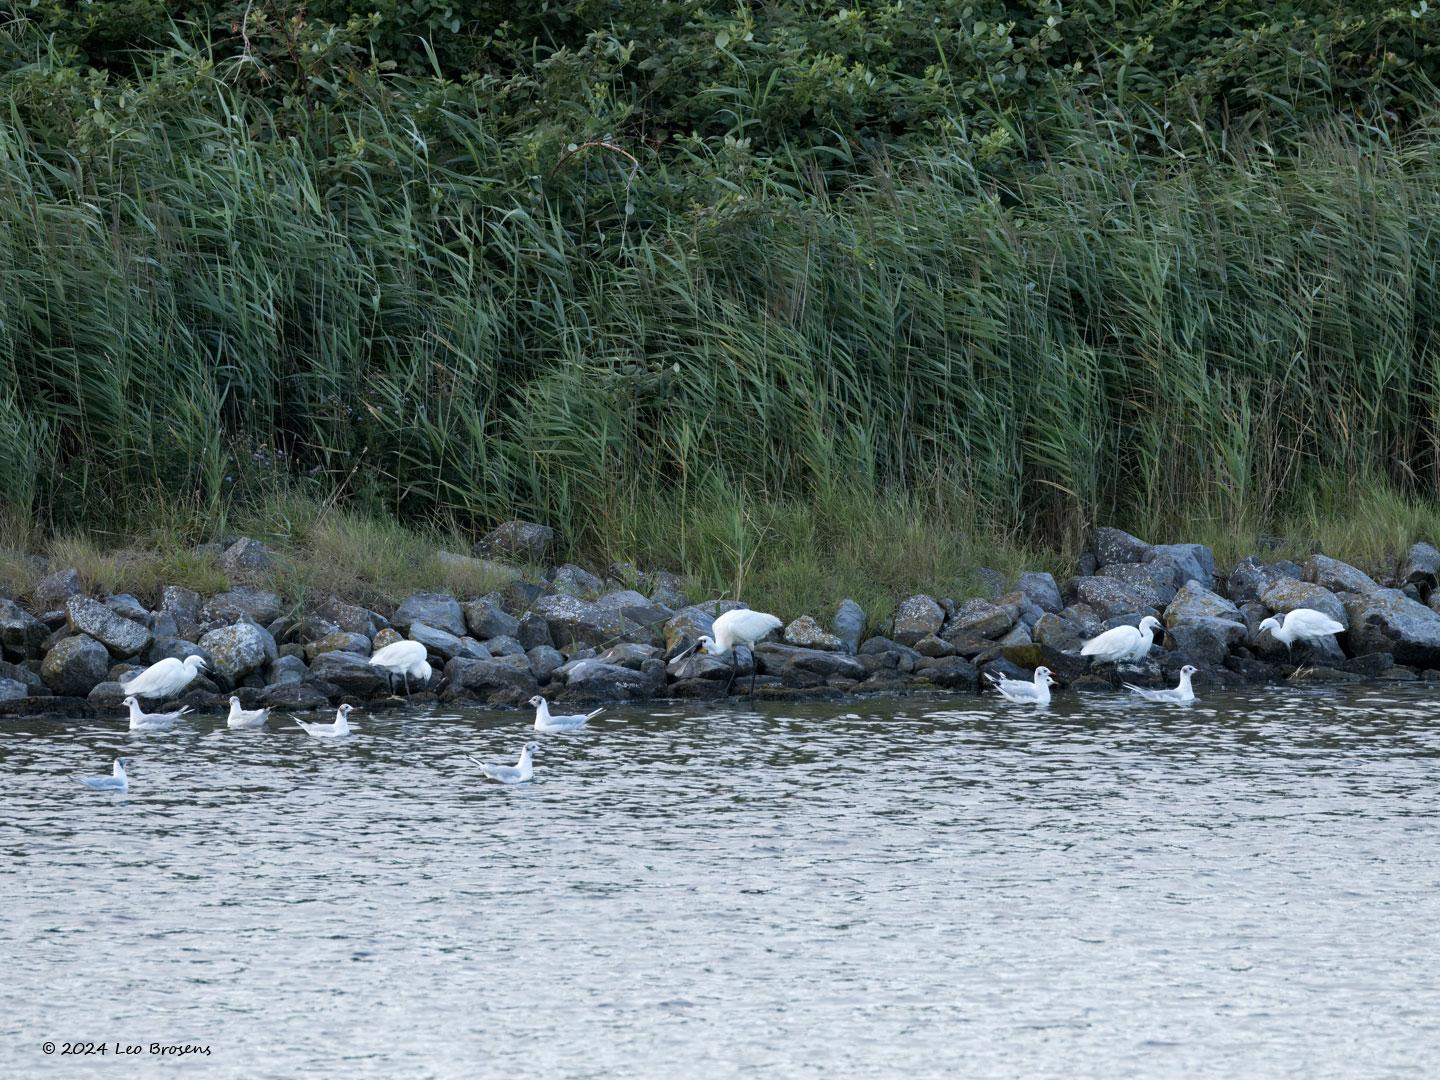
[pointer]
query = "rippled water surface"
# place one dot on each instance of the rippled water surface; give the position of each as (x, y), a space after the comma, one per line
(1246, 887)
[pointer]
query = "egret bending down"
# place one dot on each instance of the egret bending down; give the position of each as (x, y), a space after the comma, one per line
(519, 773)
(1123, 643)
(158, 721)
(403, 658)
(165, 678)
(340, 727)
(1302, 624)
(1183, 693)
(545, 722)
(116, 781)
(1027, 693)
(245, 718)
(739, 627)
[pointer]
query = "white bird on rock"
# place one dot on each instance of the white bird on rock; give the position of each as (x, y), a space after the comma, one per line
(245, 718)
(340, 727)
(518, 773)
(1302, 624)
(157, 721)
(1183, 694)
(116, 781)
(547, 723)
(165, 678)
(742, 626)
(1027, 693)
(408, 659)
(1122, 643)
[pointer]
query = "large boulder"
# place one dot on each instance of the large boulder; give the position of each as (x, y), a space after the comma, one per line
(52, 592)
(595, 680)
(21, 634)
(503, 681)
(807, 633)
(437, 641)
(1154, 582)
(1186, 562)
(524, 540)
(786, 661)
(1195, 601)
(75, 665)
(1205, 640)
(948, 672)
(228, 607)
(1109, 597)
(1421, 567)
(1060, 634)
(544, 661)
(1286, 594)
(236, 651)
(182, 604)
(573, 580)
(1112, 546)
(1386, 620)
(294, 696)
(643, 620)
(533, 632)
(983, 618)
(487, 618)
(1337, 576)
(1250, 578)
(351, 618)
(699, 666)
(916, 617)
(348, 671)
(440, 610)
(1041, 590)
(576, 622)
(123, 637)
(849, 624)
(129, 607)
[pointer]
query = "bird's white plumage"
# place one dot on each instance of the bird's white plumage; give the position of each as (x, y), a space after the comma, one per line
(544, 721)
(165, 678)
(116, 781)
(741, 626)
(143, 721)
(408, 659)
(1302, 624)
(519, 773)
(340, 727)
(1122, 643)
(1036, 692)
(245, 718)
(1183, 694)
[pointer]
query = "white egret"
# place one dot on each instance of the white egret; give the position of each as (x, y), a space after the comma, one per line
(1183, 693)
(545, 722)
(518, 773)
(741, 626)
(1302, 624)
(340, 727)
(116, 781)
(143, 721)
(1027, 693)
(403, 658)
(245, 718)
(1123, 642)
(165, 678)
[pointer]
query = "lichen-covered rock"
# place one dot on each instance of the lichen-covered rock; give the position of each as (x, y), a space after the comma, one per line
(236, 651)
(348, 671)
(984, 618)
(933, 646)
(183, 604)
(1197, 602)
(1385, 620)
(440, 610)
(1204, 639)
(1421, 567)
(544, 661)
(351, 618)
(487, 618)
(1041, 590)
(75, 666)
(1112, 546)
(848, 624)
(595, 680)
(1250, 578)
(523, 540)
(1286, 595)
(642, 620)
(21, 634)
(807, 633)
(666, 591)
(228, 607)
(245, 558)
(123, 637)
(1337, 576)
(52, 592)
(1153, 581)
(1059, 634)
(572, 580)
(436, 640)
(1187, 562)
(574, 621)
(498, 681)
(1108, 597)
(128, 607)
(786, 660)
(339, 641)
(916, 617)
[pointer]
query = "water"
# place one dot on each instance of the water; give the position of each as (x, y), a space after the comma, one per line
(1246, 887)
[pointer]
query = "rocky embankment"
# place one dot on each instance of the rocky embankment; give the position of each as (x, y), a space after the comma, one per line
(576, 637)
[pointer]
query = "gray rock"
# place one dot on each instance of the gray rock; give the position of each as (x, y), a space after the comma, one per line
(311, 628)
(807, 633)
(123, 637)
(933, 646)
(533, 632)
(24, 675)
(544, 661)
(643, 621)
(572, 580)
(388, 636)
(287, 671)
(183, 604)
(1251, 578)
(1286, 594)
(506, 646)
(475, 650)
(13, 690)
(595, 680)
(1059, 634)
(1109, 597)
(127, 607)
(487, 618)
(350, 672)
(228, 607)
(523, 540)
(1421, 567)
(786, 660)
(1337, 576)
(916, 617)
(294, 696)
(339, 641)
(498, 681)
(1155, 582)
(106, 695)
(351, 618)
(1040, 589)
(992, 582)
(687, 625)
(1385, 620)
(162, 624)
(236, 651)
(1205, 640)
(628, 655)
(1187, 562)
(75, 666)
(1196, 602)
(666, 591)
(574, 621)
(21, 634)
(1112, 546)
(245, 557)
(436, 640)
(179, 648)
(1019, 634)
(53, 591)
(519, 595)
(849, 624)
(1063, 666)
(440, 610)
(981, 617)
(949, 672)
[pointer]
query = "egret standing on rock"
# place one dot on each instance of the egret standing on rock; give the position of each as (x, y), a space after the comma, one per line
(1302, 624)
(403, 658)
(1123, 643)
(1182, 694)
(1026, 693)
(165, 678)
(739, 627)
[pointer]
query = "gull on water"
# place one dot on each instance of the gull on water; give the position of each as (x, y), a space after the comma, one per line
(245, 718)
(518, 773)
(340, 727)
(1123, 642)
(571, 722)
(408, 659)
(1027, 693)
(116, 781)
(1183, 693)
(1302, 624)
(742, 626)
(165, 678)
(143, 721)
